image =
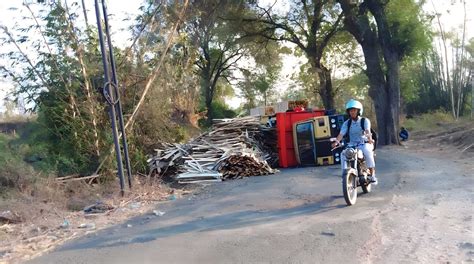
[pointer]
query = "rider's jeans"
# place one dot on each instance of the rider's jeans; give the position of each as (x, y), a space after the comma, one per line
(368, 150)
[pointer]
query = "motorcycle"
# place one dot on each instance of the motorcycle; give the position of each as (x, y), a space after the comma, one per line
(355, 173)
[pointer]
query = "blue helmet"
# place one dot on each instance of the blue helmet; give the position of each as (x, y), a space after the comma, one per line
(354, 104)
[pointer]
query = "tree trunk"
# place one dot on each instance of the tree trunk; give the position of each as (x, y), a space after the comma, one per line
(210, 111)
(326, 90)
(392, 62)
(85, 14)
(384, 85)
(393, 89)
(377, 87)
(446, 77)
(470, 81)
(358, 25)
(208, 96)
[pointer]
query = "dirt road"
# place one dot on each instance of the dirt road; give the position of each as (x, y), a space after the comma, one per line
(421, 212)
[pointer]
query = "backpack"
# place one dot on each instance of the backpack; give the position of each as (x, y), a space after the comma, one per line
(362, 124)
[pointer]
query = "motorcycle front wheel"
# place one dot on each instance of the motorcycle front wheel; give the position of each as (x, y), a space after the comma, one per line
(349, 187)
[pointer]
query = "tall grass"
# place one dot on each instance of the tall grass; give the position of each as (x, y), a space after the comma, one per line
(429, 121)
(15, 174)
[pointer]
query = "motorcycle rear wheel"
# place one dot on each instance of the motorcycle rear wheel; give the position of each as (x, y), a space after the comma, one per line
(349, 187)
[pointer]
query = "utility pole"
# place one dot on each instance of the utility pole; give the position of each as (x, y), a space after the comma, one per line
(112, 96)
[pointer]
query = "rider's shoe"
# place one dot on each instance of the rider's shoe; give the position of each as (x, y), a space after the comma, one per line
(374, 180)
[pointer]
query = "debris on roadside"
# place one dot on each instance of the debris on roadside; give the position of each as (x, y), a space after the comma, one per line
(158, 213)
(9, 217)
(65, 224)
(87, 226)
(134, 205)
(97, 208)
(233, 148)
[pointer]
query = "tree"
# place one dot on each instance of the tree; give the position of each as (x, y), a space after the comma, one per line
(455, 74)
(421, 86)
(248, 91)
(398, 31)
(263, 85)
(257, 85)
(219, 51)
(343, 56)
(63, 75)
(470, 80)
(58, 83)
(440, 77)
(309, 25)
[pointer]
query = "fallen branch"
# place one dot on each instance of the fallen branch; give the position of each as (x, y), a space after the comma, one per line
(66, 179)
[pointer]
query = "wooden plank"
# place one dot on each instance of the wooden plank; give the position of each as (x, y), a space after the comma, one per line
(198, 175)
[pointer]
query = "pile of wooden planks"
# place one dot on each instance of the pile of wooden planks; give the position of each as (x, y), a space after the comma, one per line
(233, 148)
(239, 166)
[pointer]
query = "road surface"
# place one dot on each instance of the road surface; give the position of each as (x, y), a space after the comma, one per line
(421, 212)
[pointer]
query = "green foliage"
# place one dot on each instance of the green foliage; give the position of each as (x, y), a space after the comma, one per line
(343, 55)
(309, 25)
(14, 172)
(72, 133)
(410, 80)
(294, 93)
(424, 88)
(219, 45)
(353, 87)
(221, 110)
(409, 26)
(428, 121)
(257, 87)
(307, 87)
(70, 128)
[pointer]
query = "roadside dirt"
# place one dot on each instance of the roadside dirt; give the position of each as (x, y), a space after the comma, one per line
(452, 140)
(41, 226)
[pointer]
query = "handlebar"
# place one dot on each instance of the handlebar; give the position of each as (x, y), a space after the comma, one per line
(338, 144)
(341, 144)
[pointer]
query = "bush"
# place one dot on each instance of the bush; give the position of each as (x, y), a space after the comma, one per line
(428, 121)
(221, 110)
(14, 172)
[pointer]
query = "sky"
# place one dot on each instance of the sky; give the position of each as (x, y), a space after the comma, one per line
(451, 17)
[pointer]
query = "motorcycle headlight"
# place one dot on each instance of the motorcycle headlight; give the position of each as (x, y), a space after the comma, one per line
(350, 153)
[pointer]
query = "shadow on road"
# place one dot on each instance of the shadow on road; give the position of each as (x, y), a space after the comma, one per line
(219, 222)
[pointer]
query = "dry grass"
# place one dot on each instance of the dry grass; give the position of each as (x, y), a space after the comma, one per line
(42, 212)
(439, 133)
(428, 122)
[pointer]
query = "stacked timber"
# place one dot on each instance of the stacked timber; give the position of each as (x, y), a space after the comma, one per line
(239, 166)
(233, 148)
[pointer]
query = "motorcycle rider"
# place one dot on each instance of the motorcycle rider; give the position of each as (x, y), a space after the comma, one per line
(355, 109)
